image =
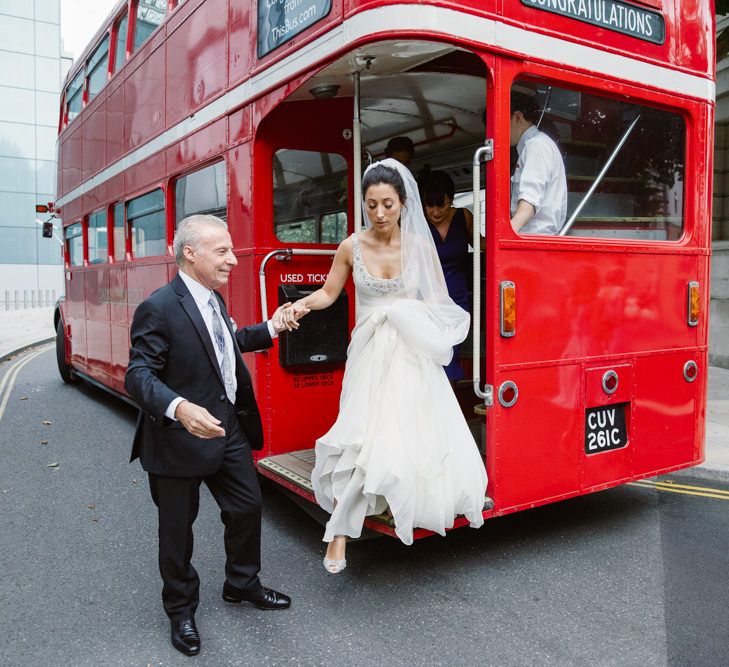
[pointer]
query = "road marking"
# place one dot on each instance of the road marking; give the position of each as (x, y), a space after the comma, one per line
(685, 489)
(11, 375)
(673, 485)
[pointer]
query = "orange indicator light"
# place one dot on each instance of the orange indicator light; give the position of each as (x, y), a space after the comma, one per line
(694, 303)
(508, 308)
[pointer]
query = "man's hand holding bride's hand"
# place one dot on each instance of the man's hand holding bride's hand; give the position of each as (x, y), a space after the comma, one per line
(287, 316)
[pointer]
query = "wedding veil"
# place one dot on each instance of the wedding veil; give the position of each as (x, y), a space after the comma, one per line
(447, 323)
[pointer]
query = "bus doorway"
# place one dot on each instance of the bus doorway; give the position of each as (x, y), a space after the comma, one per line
(434, 95)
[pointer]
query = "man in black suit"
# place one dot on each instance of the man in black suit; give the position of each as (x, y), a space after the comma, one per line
(199, 422)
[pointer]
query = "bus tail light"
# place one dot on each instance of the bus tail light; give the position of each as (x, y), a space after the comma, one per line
(694, 303)
(508, 308)
(508, 393)
(690, 371)
(609, 382)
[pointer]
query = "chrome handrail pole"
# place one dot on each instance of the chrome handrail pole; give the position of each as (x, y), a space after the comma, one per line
(357, 157)
(568, 225)
(483, 152)
(282, 255)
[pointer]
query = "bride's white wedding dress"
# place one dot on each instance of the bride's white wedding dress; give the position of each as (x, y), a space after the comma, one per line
(400, 439)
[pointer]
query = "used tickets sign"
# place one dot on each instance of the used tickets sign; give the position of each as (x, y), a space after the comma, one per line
(281, 20)
(611, 14)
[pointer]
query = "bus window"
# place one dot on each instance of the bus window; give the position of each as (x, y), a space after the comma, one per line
(120, 44)
(202, 191)
(75, 244)
(98, 238)
(75, 96)
(640, 195)
(146, 218)
(333, 227)
(96, 69)
(309, 197)
(120, 237)
(150, 13)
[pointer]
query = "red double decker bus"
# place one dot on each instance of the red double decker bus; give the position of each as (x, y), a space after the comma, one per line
(588, 351)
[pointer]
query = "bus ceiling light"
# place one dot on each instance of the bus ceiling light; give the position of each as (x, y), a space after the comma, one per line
(508, 308)
(694, 303)
(508, 393)
(609, 382)
(690, 371)
(324, 91)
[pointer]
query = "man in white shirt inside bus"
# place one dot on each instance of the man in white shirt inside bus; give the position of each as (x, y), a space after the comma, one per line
(539, 184)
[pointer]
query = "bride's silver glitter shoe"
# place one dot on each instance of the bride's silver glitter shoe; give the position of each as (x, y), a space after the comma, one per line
(334, 566)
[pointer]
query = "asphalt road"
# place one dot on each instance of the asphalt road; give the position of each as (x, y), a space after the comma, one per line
(631, 576)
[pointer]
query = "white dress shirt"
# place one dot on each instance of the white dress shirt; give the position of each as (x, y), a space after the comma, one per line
(540, 180)
(201, 295)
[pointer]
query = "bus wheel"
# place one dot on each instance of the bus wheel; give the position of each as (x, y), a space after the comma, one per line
(63, 368)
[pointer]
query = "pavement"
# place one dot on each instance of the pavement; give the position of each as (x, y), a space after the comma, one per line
(20, 329)
(25, 328)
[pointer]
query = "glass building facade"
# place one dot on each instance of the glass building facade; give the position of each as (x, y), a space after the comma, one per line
(30, 82)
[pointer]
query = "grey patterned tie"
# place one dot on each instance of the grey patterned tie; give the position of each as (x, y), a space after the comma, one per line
(220, 341)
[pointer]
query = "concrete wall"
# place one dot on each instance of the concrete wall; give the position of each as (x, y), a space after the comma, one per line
(719, 288)
(719, 309)
(32, 276)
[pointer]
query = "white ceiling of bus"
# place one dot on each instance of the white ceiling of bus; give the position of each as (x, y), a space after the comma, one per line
(397, 101)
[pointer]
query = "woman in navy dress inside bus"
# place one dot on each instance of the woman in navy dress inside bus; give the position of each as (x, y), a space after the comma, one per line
(452, 230)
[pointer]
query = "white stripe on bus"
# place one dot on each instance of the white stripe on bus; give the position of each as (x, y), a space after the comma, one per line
(447, 22)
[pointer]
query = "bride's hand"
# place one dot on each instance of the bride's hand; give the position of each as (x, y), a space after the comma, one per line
(292, 313)
(282, 320)
(299, 309)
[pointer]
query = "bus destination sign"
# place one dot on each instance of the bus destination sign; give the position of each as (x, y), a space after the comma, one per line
(611, 14)
(281, 20)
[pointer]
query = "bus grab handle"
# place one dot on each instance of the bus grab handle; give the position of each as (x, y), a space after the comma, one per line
(485, 152)
(282, 255)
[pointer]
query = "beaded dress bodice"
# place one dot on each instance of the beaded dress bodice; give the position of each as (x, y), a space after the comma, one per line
(372, 291)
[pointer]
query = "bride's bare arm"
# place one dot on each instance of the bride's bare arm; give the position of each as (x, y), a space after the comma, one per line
(326, 295)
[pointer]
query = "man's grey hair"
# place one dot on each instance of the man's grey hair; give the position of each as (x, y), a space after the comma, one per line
(188, 233)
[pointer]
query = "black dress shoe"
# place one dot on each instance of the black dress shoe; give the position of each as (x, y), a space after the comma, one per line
(264, 598)
(184, 636)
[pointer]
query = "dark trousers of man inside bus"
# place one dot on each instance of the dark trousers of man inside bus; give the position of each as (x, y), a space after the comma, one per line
(236, 490)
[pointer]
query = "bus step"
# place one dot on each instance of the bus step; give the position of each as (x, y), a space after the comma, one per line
(293, 472)
(293, 468)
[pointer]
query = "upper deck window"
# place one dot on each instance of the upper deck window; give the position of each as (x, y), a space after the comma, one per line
(150, 13)
(146, 220)
(96, 69)
(309, 196)
(75, 244)
(120, 44)
(203, 191)
(629, 191)
(98, 238)
(75, 96)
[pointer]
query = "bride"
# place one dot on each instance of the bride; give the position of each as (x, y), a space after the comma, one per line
(400, 440)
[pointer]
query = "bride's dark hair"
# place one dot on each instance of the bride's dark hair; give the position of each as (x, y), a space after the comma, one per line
(382, 174)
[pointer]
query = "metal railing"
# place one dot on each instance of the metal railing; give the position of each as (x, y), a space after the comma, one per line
(24, 299)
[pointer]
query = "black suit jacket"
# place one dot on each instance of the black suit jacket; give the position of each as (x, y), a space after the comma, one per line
(172, 355)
